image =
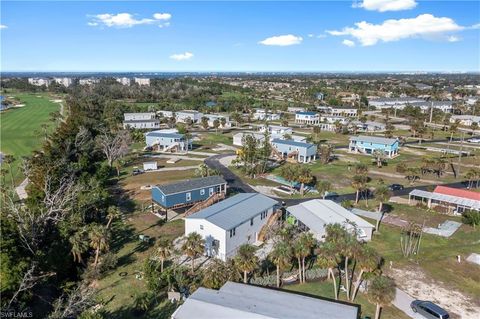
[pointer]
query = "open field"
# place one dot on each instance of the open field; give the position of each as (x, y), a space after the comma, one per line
(21, 128)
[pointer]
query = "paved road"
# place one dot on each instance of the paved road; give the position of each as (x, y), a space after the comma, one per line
(402, 301)
(236, 184)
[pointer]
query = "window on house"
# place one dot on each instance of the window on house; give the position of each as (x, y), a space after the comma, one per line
(251, 222)
(232, 232)
(163, 198)
(201, 227)
(211, 191)
(202, 192)
(189, 196)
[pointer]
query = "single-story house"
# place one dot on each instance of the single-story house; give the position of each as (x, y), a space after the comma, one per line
(295, 109)
(165, 114)
(194, 116)
(238, 137)
(300, 151)
(139, 116)
(276, 130)
(168, 140)
(310, 118)
(212, 117)
(369, 144)
(262, 115)
(395, 102)
(346, 111)
(235, 221)
(333, 119)
(466, 120)
(444, 106)
(240, 301)
(454, 199)
(188, 192)
(315, 214)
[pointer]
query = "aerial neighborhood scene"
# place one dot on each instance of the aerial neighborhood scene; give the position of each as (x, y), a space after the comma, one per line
(250, 159)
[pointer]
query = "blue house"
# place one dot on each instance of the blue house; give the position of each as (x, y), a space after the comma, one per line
(298, 151)
(188, 192)
(369, 144)
(168, 140)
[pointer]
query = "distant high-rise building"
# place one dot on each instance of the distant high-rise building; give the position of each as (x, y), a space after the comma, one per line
(142, 81)
(123, 81)
(63, 81)
(39, 81)
(88, 81)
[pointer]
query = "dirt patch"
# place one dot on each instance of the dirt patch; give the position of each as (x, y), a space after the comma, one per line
(416, 283)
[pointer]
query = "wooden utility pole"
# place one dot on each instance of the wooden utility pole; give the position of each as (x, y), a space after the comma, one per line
(431, 111)
(460, 154)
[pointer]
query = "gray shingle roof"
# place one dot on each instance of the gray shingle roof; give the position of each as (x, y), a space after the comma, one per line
(191, 184)
(235, 210)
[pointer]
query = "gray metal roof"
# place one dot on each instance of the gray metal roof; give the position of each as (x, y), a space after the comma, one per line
(164, 134)
(235, 210)
(241, 301)
(191, 184)
(292, 143)
(142, 121)
(471, 203)
(317, 213)
(374, 139)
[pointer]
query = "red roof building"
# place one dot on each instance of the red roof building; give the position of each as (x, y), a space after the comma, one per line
(457, 192)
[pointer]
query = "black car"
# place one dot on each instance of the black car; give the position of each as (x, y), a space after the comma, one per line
(395, 187)
(429, 310)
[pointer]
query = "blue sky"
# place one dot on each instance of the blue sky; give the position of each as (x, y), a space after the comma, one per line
(240, 36)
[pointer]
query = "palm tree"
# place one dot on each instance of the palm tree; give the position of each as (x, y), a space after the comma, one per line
(368, 260)
(112, 213)
(163, 251)
(246, 260)
(217, 273)
(327, 258)
(381, 291)
(302, 247)
(193, 246)
(79, 245)
(303, 176)
(281, 256)
(379, 157)
(99, 237)
(382, 194)
(323, 187)
(361, 169)
(358, 183)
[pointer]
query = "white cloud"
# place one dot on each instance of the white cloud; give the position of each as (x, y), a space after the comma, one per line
(453, 38)
(162, 16)
(3, 26)
(386, 5)
(321, 36)
(348, 43)
(127, 20)
(423, 26)
(182, 56)
(282, 40)
(311, 35)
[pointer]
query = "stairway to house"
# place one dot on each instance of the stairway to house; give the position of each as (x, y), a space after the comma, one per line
(171, 147)
(216, 197)
(271, 220)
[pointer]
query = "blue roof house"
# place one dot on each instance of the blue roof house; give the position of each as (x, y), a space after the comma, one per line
(369, 144)
(168, 140)
(299, 151)
(188, 192)
(235, 221)
(311, 118)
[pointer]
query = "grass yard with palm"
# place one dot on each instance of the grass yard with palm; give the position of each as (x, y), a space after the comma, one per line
(21, 128)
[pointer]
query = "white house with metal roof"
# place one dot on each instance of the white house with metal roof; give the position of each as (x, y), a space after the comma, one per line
(241, 301)
(311, 118)
(146, 120)
(183, 116)
(315, 214)
(369, 144)
(167, 140)
(235, 221)
(300, 151)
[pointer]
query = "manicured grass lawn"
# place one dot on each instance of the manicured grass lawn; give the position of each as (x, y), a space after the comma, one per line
(325, 289)
(213, 138)
(21, 128)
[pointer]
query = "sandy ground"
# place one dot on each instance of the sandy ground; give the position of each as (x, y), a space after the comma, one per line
(413, 151)
(414, 282)
(401, 176)
(227, 161)
(265, 190)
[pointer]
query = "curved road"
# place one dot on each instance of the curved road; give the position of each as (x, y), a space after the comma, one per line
(236, 184)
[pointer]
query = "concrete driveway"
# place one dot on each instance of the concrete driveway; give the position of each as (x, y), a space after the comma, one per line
(402, 301)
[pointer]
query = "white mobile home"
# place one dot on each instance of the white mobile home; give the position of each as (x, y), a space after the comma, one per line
(315, 214)
(235, 221)
(183, 116)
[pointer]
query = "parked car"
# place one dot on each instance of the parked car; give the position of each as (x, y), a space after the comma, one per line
(137, 171)
(395, 187)
(473, 140)
(429, 310)
(331, 195)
